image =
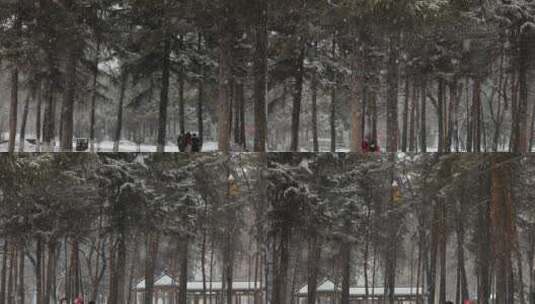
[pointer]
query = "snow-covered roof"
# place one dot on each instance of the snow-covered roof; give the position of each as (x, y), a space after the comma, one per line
(162, 281)
(167, 281)
(328, 286)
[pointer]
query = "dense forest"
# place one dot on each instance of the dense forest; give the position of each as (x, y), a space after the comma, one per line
(257, 75)
(458, 226)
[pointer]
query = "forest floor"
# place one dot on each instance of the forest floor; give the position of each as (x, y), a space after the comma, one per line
(107, 146)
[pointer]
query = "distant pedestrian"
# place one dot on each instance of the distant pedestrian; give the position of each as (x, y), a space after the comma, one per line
(195, 143)
(370, 145)
(79, 300)
(187, 142)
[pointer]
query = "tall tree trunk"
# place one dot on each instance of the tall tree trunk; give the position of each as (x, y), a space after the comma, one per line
(183, 281)
(38, 270)
(21, 273)
(200, 97)
(315, 144)
(151, 245)
(13, 105)
(13, 109)
(443, 244)
(3, 274)
(22, 134)
(423, 134)
(94, 92)
(346, 271)
(503, 226)
(521, 142)
(49, 115)
(476, 114)
(392, 127)
(38, 111)
(224, 78)
(314, 253)
(50, 272)
(297, 96)
(332, 106)
(67, 106)
(164, 93)
(463, 284)
(405, 128)
(260, 75)
(412, 121)
(120, 106)
(121, 268)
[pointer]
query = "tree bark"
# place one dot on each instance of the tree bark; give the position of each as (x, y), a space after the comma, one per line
(94, 98)
(225, 79)
(3, 274)
(314, 253)
(38, 133)
(332, 107)
(164, 92)
(405, 127)
(183, 281)
(67, 106)
(120, 106)
(297, 96)
(260, 76)
(423, 134)
(22, 134)
(200, 97)
(392, 127)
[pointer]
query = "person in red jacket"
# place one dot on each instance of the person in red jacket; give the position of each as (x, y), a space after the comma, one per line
(79, 300)
(369, 145)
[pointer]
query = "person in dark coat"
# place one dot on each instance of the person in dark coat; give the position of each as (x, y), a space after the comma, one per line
(187, 142)
(195, 143)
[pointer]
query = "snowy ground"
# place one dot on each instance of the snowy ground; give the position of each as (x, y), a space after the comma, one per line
(107, 146)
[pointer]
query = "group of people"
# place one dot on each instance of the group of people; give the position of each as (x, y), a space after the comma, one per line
(78, 300)
(189, 142)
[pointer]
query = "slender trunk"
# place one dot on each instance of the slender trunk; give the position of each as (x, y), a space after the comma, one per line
(314, 88)
(521, 143)
(423, 134)
(38, 134)
(21, 273)
(151, 245)
(297, 96)
(13, 109)
(332, 107)
(164, 93)
(13, 105)
(94, 98)
(38, 270)
(3, 274)
(67, 107)
(260, 75)
(183, 281)
(413, 120)
(392, 127)
(22, 135)
(314, 254)
(406, 110)
(440, 115)
(443, 244)
(476, 114)
(346, 271)
(119, 123)
(200, 98)
(224, 79)
(50, 272)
